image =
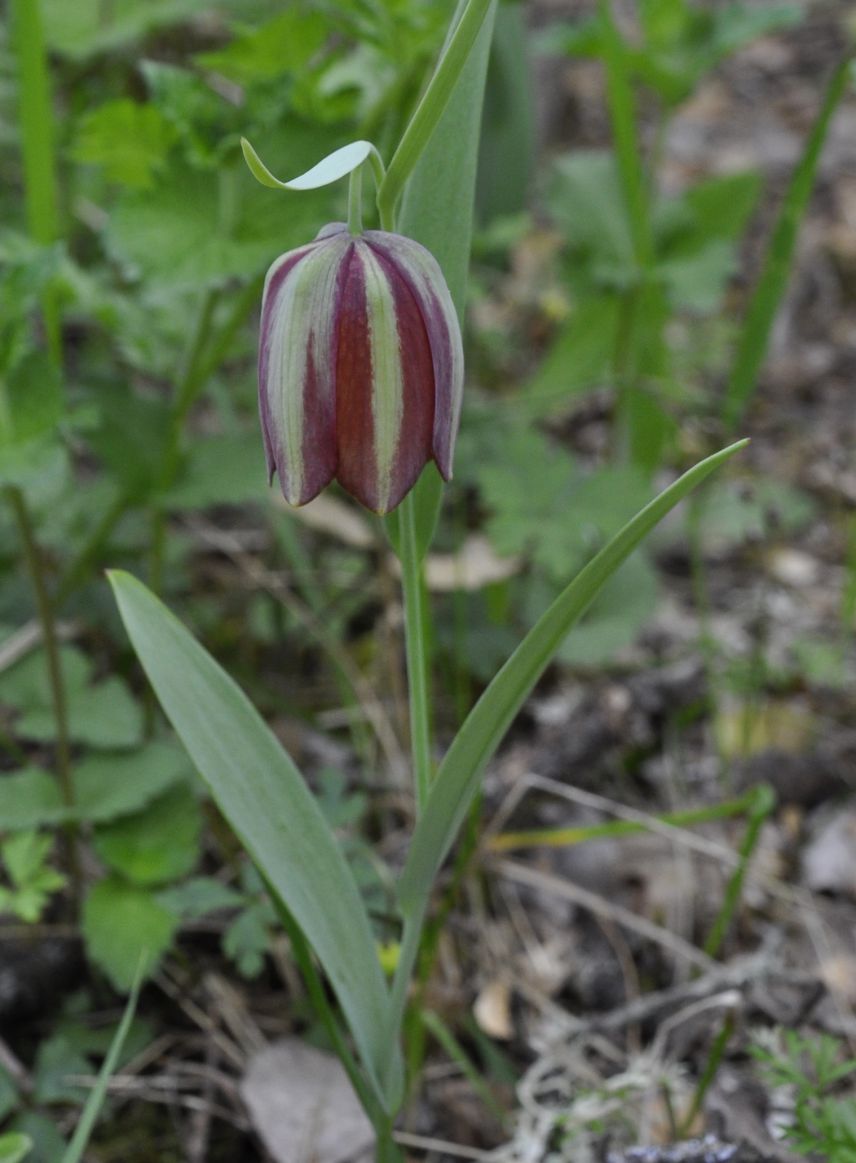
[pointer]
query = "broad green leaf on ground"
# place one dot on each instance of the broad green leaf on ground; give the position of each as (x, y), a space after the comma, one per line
(459, 775)
(30, 799)
(128, 139)
(157, 844)
(264, 797)
(107, 786)
(123, 925)
(104, 714)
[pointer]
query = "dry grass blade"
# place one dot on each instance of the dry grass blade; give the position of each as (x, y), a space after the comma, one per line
(601, 907)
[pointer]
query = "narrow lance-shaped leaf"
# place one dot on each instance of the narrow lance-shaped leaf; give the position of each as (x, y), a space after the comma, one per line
(263, 796)
(460, 773)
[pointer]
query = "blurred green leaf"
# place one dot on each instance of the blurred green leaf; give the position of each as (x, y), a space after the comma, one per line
(272, 50)
(87, 27)
(199, 229)
(59, 1059)
(579, 359)
(733, 513)
(129, 140)
(220, 470)
(108, 787)
(103, 714)
(123, 923)
(8, 1095)
(198, 897)
(616, 617)
(29, 799)
(158, 843)
(248, 938)
(48, 1143)
(14, 1147)
(130, 436)
(30, 400)
(586, 201)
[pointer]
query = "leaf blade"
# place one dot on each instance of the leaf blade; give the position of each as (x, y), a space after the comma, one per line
(459, 774)
(262, 794)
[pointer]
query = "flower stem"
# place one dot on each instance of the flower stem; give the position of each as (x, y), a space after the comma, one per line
(47, 622)
(417, 669)
(355, 201)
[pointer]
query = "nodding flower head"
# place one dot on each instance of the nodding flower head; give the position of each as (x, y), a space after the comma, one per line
(360, 367)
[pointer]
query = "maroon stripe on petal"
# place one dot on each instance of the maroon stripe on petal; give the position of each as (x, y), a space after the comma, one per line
(356, 470)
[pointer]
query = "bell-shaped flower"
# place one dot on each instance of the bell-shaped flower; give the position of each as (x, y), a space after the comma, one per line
(360, 367)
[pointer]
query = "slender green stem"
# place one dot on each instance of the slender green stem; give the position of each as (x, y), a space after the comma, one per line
(430, 109)
(714, 1058)
(765, 802)
(47, 622)
(417, 670)
(355, 201)
(37, 145)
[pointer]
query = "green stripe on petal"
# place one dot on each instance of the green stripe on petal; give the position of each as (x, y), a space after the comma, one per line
(387, 371)
(302, 326)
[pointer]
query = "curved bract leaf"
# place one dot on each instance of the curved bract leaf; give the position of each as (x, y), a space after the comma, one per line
(263, 796)
(460, 772)
(334, 166)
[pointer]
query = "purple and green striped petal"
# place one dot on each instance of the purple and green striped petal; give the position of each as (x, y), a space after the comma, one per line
(360, 367)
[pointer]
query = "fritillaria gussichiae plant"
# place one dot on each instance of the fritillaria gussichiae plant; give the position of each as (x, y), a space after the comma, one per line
(360, 379)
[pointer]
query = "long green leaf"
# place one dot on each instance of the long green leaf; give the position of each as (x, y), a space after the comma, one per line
(437, 210)
(771, 287)
(263, 796)
(458, 779)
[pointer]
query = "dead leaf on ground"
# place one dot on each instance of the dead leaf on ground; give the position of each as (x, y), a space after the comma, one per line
(303, 1106)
